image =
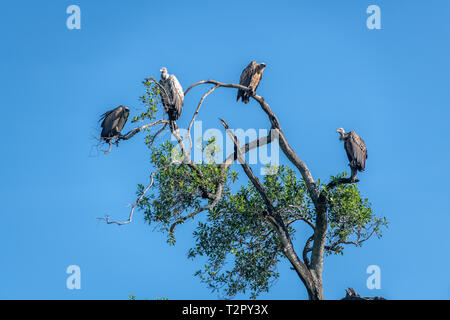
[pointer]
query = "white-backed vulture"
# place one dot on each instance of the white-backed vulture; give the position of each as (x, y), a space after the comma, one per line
(172, 94)
(356, 151)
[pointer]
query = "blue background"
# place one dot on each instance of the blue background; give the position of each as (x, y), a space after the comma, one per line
(325, 70)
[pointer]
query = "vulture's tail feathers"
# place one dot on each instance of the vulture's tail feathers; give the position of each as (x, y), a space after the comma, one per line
(239, 95)
(173, 114)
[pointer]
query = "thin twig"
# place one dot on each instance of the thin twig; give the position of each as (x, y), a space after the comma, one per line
(138, 200)
(196, 113)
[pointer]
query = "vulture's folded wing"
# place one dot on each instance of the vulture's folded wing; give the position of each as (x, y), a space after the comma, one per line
(122, 119)
(110, 122)
(247, 74)
(165, 94)
(177, 96)
(176, 86)
(358, 149)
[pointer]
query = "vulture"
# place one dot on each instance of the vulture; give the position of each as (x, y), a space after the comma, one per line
(356, 151)
(172, 94)
(250, 77)
(113, 122)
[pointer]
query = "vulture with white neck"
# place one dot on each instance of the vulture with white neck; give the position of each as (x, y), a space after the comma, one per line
(356, 151)
(172, 94)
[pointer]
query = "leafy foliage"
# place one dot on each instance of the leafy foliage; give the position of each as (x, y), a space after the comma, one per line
(151, 100)
(350, 217)
(236, 234)
(178, 188)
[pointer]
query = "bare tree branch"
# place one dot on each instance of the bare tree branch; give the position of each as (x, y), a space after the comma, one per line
(300, 216)
(157, 133)
(248, 170)
(218, 84)
(131, 133)
(196, 113)
(130, 217)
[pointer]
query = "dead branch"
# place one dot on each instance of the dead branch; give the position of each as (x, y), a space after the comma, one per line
(156, 134)
(300, 216)
(131, 133)
(138, 200)
(196, 113)
(218, 84)
(248, 170)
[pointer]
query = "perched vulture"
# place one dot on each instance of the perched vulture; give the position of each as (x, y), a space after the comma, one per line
(250, 77)
(113, 122)
(356, 151)
(172, 94)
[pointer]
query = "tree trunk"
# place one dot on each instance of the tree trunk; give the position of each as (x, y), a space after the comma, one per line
(313, 284)
(310, 278)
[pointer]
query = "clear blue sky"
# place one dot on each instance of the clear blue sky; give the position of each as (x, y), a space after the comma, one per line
(325, 70)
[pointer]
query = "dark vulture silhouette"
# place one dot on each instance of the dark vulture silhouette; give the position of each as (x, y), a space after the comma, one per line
(250, 77)
(172, 94)
(113, 122)
(352, 295)
(356, 151)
